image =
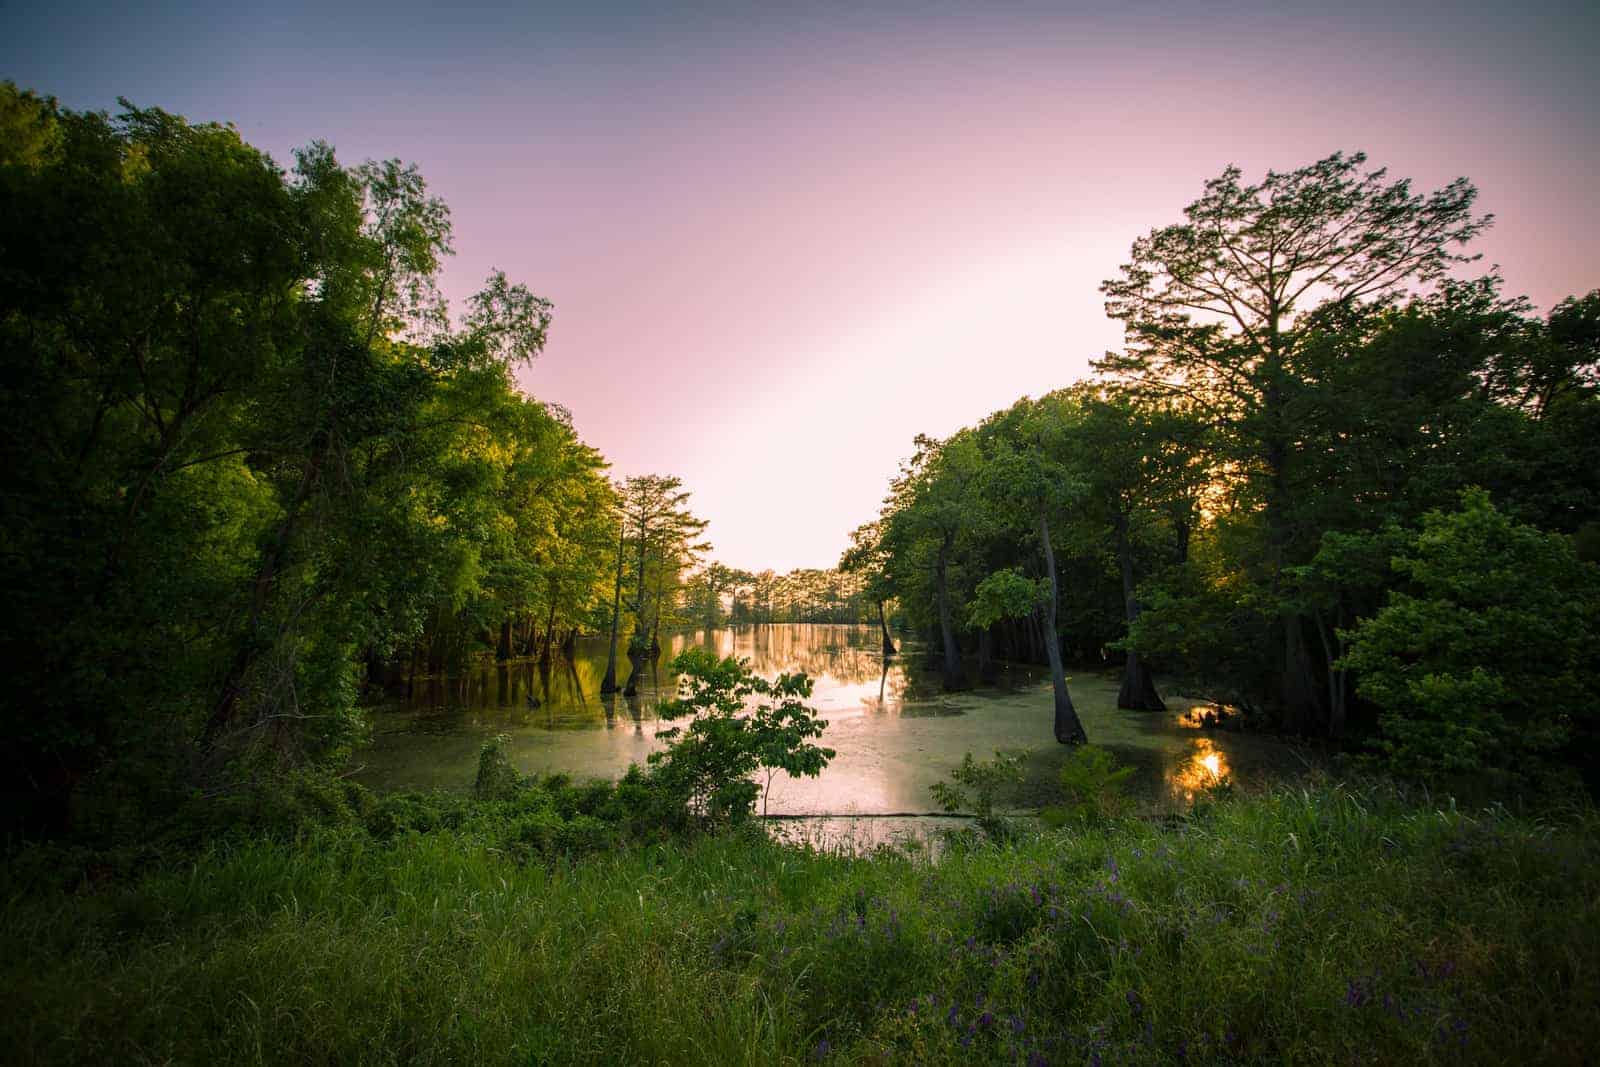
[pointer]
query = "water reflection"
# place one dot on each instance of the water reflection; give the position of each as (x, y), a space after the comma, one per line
(1202, 767)
(844, 662)
(895, 730)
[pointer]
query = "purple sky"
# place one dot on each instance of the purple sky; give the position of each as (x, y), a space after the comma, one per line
(780, 245)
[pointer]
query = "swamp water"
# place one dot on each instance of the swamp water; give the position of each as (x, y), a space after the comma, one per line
(894, 730)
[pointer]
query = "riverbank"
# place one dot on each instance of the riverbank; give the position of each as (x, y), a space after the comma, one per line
(1322, 925)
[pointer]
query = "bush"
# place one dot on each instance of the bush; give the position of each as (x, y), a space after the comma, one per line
(706, 775)
(1092, 784)
(1490, 663)
(974, 785)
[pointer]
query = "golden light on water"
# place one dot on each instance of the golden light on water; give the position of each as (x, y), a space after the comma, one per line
(1201, 767)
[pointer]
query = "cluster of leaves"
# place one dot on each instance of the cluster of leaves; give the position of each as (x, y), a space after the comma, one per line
(976, 784)
(1093, 788)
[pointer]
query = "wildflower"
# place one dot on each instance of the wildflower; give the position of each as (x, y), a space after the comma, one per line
(822, 1050)
(1135, 1002)
(1016, 1024)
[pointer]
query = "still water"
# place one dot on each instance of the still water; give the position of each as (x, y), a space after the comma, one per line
(895, 731)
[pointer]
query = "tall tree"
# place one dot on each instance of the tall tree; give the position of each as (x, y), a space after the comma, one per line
(1217, 309)
(867, 557)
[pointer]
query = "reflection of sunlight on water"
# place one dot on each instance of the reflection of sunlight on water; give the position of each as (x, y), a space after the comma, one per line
(1203, 766)
(1206, 716)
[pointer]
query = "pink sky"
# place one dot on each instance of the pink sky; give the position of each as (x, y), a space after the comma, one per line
(780, 247)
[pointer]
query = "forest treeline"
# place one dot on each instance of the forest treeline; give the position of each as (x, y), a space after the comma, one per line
(255, 467)
(1329, 482)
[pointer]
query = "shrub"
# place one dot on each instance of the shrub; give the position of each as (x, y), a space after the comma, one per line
(1092, 784)
(974, 785)
(706, 773)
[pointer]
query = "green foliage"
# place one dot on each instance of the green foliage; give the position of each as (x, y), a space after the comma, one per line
(1006, 595)
(497, 779)
(1247, 934)
(976, 785)
(1093, 786)
(740, 724)
(235, 400)
(1488, 661)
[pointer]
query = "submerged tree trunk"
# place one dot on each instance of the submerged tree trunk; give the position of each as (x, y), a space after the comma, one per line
(883, 624)
(955, 675)
(1302, 703)
(1068, 728)
(550, 630)
(1138, 692)
(632, 688)
(609, 683)
(1338, 701)
(988, 669)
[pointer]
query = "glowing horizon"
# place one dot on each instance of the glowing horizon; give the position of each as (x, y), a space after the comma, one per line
(781, 245)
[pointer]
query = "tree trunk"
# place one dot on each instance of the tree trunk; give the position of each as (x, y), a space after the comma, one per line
(638, 623)
(1068, 728)
(502, 650)
(632, 688)
(549, 632)
(1337, 702)
(988, 669)
(251, 644)
(955, 675)
(883, 624)
(1302, 704)
(609, 683)
(1138, 692)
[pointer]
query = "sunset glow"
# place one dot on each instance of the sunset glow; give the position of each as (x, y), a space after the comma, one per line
(804, 238)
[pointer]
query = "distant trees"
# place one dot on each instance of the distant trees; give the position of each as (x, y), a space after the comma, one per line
(807, 594)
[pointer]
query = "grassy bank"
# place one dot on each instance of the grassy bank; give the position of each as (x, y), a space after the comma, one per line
(1322, 925)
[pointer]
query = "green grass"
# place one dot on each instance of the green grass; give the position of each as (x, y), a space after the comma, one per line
(1320, 926)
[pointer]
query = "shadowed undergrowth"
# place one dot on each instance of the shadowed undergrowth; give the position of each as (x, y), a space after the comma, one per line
(1316, 926)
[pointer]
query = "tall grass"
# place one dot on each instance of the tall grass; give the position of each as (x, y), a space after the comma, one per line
(1318, 925)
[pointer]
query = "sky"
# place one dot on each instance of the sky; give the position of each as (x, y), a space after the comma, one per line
(783, 239)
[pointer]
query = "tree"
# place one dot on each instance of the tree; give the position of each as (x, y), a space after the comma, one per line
(868, 558)
(1026, 477)
(665, 536)
(233, 400)
(929, 508)
(1218, 310)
